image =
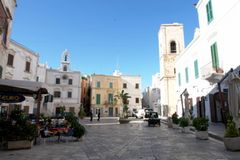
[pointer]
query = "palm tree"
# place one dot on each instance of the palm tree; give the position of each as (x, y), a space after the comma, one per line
(124, 100)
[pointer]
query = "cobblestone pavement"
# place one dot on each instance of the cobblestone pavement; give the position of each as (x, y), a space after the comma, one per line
(128, 142)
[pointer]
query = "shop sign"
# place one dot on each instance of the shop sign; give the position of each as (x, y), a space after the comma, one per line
(11, 98)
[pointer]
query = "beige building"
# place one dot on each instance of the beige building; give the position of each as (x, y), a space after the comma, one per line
(7, 8)
(171, 43)
(103, 90)
(65, 86)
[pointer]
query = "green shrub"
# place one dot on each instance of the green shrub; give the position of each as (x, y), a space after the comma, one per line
(78, 129)
(200, 123)
(183, 122)
(231, 130)
(175, 118)
(17, 127)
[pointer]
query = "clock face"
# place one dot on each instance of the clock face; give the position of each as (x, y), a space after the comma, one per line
(64, 76)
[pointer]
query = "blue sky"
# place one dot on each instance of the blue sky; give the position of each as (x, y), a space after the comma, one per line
(101, 33)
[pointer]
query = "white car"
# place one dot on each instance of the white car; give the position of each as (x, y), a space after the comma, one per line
(140, 113)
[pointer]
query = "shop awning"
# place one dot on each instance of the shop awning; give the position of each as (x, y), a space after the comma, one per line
(27, 88)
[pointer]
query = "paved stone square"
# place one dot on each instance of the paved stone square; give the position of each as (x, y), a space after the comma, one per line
(128, 142)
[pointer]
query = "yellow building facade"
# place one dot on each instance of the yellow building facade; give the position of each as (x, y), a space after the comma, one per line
(103, 91)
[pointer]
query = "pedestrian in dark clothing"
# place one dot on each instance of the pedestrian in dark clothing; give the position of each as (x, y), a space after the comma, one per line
(91, 115)
(98, 115)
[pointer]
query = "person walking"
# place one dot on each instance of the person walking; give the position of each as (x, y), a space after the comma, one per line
(98, 115)
(91, 115)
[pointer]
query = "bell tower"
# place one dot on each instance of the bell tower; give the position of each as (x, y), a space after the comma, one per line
(65, 62)
(171, 43)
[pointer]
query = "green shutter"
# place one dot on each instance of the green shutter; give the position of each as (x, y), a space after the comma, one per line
(209, 11)
(110, 85)
(98, 99)
(186, 74)
(98, 84)
(214, 54)
(110, 98)
(179, 79)
(196, 69)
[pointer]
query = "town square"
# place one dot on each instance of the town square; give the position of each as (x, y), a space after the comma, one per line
(119, 80)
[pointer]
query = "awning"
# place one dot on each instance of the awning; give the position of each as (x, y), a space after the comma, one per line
(27, 88)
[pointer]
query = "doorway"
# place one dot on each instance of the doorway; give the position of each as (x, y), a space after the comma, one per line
(110, 111)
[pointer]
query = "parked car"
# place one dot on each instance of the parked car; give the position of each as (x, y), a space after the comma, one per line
(147, 113)
(140, 113)
(153, 119)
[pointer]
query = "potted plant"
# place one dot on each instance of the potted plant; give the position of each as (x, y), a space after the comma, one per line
(17, 132)
(78, 129)
(184, 122)
(232, 137)
(81, 112)
(175, 120)
(201, 126)
(124, 100)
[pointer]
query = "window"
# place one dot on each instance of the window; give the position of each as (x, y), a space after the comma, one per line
(196, 69)
(173, 48)
(110, 98)
(98, 84)
(137, 86)
(1, 69)
(64, 68)
(26, 109)
(110, 85)
(209, 11)
(186, 74)
(124, 85)
(65, 58)
(98, 99)
(10, 60)
(37, 79)
(27, 67)
(70, 81)
(4, 27)
(57, 80)
(179, 79)
(137, 100)
(69, 94)
(214, 53)
(57, 94)
(71, 109)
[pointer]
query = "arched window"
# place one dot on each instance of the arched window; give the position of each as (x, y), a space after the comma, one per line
(173, 47)
(66, 57)
(64, 68)
(1, 69)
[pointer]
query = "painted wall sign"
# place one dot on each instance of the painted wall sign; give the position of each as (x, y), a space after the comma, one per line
(11, 98)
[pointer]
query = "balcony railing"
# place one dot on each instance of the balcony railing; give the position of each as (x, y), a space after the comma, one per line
(213, 75)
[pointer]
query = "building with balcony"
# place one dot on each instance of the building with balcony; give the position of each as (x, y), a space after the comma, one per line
(7, 8)
(65, 86)
(210, 55)
(103, 91)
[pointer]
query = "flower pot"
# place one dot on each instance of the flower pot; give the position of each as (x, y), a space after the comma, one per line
(20, 144)
(124, 121)
(232, 143)
(203, 135)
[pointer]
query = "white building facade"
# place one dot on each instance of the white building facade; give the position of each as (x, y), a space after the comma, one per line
(210, 55)
(7, 8)
(65, 86)
(171, 43)
(132, 86)
(22, 65)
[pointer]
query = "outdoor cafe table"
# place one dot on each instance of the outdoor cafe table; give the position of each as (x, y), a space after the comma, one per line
(58, 131)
